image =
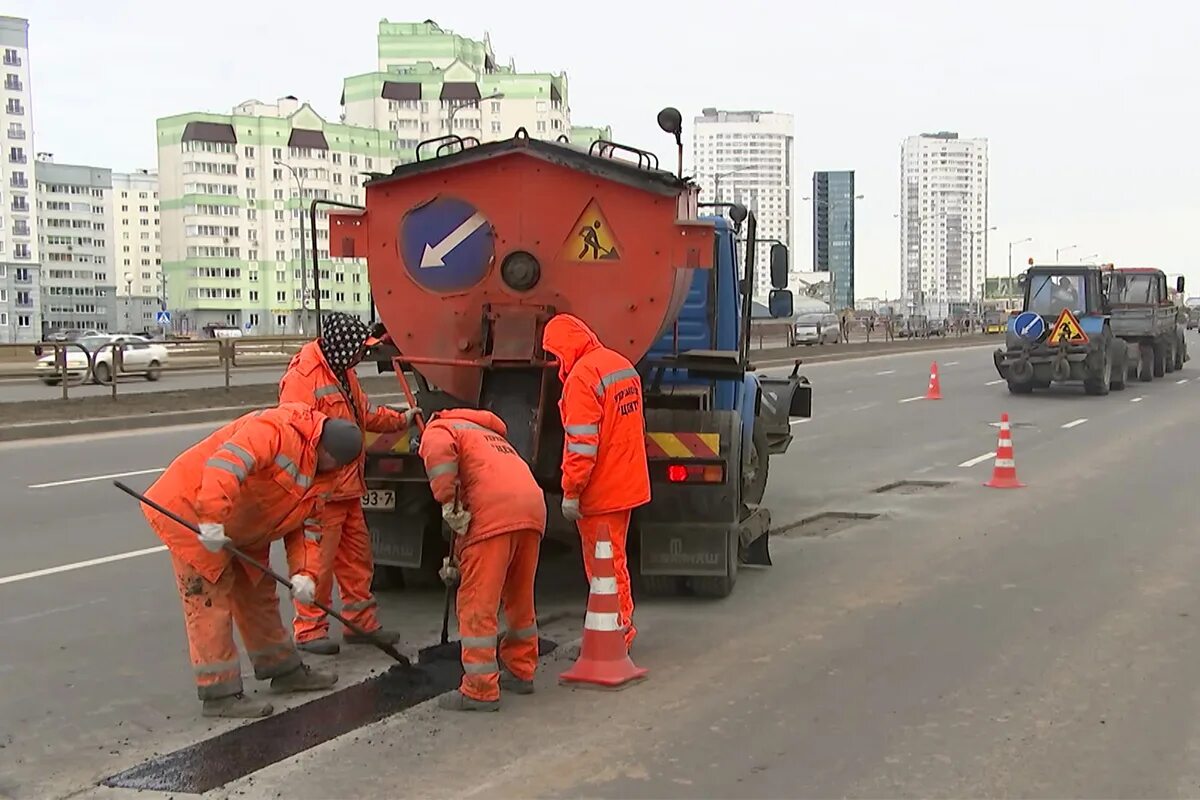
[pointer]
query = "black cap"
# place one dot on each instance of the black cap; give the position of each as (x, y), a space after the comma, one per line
(341, 439)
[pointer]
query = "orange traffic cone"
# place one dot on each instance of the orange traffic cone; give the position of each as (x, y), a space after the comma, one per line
(1004, 474)
(934, 392)
(604, 660)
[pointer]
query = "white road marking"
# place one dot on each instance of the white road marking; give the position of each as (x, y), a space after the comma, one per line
(92, 562)
(1182, 382)
(912, 399)
(864, 408)
(887, 372)
(801, 421)
(1136, 399)
(1073, 423)
(950, 364)
(49, 611)
(74, 481)
(993, 383)
(978, 459)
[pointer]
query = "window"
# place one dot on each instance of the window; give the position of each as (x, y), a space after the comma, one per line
(541, 126)
(337, 158)
(23, 320)
(248, 152)
(279, 194)
(279, 215)
(252, 320)
(495, 126)
(281, 297)
(3, 320)
(277, 174)
(281, 320)
(249, 173)
(253, 296)
(496, 106)
(542, 106)
(276, 153)
(354, 161)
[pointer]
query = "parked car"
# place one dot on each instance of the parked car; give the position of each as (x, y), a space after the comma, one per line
(138, 357)
(71, 334)
(813, 329)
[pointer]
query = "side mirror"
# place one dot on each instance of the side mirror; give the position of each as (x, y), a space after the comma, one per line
(779, 266)
(779, 303)
(1179, 284)
(1022, 279)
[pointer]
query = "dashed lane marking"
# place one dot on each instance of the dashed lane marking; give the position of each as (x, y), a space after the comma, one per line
(978, 459)
(92, 562)
(1075, 422)
(913, 399)
(1136, 399)
(1182, 381)
(993, 383)
(950, 364)
(74, 481)
(801, 421)
(887, 372)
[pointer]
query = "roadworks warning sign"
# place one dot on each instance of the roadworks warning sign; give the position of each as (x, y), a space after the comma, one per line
(591, 239)
(1067, 330)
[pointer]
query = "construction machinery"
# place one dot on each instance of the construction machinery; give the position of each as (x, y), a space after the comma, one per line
(473, 247)
(1149, 318)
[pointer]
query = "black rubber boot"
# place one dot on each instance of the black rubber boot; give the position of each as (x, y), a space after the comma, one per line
(237, 706)
(304, 679)
(320, 647)
(380, 634)
(457, 701)
(511, 683)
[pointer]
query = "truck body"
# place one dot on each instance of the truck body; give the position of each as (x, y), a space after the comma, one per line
(471, 252)
(1149, 321)
(1031, 360)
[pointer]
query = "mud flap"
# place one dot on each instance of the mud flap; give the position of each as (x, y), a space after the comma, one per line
(780, 400)
(684, 550)
(755, 537)
(396, 545)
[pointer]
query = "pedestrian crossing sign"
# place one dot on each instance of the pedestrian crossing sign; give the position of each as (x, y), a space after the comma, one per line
(1067, 330)
(591, 238)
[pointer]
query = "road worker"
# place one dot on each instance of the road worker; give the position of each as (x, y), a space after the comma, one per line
(498, 522)
(261, 477)
(604, 471)
(322, 375)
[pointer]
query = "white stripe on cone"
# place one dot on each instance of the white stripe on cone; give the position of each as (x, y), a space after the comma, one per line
(595, 621)
(604, 585)
(1006, 462)
(604, 549)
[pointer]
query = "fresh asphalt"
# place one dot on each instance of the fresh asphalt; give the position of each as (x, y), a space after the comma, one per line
(965, 642)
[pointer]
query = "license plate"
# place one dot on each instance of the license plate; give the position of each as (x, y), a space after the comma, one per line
(379, 500)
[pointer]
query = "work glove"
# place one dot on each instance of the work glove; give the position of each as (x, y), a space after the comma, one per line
(212, 536)
(304, 588)
(449, 573)
(570, 509)
(457, 518)
(410, 415)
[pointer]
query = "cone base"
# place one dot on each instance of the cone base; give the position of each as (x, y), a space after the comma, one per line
(1004, 483)
(603, 674)
(933, 397)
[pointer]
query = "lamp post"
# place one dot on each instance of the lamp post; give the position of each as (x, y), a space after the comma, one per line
(719, 175)
(971, 269)
(1060, 250)
(1088, 258)
(469, 104)
(303, 260)
(1010, 247)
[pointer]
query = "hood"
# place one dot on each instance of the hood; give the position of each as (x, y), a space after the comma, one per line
(342, 340)
(480, 417)
(568, 339)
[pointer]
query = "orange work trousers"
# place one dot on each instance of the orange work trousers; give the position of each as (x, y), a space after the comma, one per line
(617, 524)
(497, 570)
(210, 610)
(346, 557)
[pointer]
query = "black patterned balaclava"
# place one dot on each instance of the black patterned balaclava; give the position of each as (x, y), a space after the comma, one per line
(342, 340)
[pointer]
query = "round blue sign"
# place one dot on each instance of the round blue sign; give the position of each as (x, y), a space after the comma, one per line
(1029, 326)
(446, 244)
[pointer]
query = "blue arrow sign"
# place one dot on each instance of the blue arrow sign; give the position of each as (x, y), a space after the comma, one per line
(1029, 326)
(162, 317)
(447, 244)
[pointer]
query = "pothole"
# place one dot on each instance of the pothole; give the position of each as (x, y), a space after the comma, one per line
(911, 487)
(827, 523)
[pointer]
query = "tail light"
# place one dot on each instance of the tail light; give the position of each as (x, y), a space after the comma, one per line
(695, 473)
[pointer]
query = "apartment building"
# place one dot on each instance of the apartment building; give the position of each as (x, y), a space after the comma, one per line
(20, 298)
(75, 228)
(234, 195)
(746, 157)
(943, 220)
(137, 249)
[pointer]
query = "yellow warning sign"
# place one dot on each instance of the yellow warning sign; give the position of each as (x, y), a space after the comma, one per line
(591, 239)
(1067, 330)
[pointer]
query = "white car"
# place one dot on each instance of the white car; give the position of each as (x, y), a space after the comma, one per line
(137, 357)
(813, 329)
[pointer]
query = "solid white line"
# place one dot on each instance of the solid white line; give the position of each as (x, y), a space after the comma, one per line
(73, 481)
(1181, 382)
(912, 399)
(24, 576)
(993, 383)
(978, 459)
(1136, 399)
(887, 372)
(950, 364)
(1074, 422)
(800, 421)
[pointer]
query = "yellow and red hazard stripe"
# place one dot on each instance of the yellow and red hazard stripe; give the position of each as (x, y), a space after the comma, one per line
(683, 445)
(391, 443)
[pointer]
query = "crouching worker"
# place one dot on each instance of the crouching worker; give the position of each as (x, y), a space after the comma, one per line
(498, 522)
(260, 478)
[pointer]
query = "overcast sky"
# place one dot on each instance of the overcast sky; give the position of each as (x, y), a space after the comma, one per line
(1091, 108)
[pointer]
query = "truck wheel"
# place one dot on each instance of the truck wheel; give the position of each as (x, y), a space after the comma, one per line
(1146, 374)
(387, 578)
(1160, 361)
(1020, 388)
(718, 587)
(1098, 385)
(754, 479)
(1169, 358)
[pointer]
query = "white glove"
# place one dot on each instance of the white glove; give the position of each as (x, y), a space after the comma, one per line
(449, 573)
(410, 415)
(570, 509)
(457, 519)
(304, 588)
(212, 536)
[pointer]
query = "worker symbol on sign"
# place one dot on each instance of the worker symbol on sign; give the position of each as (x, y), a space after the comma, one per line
(1067, 330)
(591, 238)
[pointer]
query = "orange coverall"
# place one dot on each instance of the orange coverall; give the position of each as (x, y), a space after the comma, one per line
(498, 555)
(346, 542)
(604, 454)
(257, 476)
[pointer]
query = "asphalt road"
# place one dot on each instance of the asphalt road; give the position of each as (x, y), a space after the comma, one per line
(965, 642)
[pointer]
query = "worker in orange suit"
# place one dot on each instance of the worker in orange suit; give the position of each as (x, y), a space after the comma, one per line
(322, 375)
(260, 478)
(498, 522)
(604, 470)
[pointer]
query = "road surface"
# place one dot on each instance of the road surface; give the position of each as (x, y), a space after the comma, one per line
(964, 642)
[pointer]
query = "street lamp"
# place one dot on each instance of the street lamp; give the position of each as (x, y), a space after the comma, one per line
(1060, 250)
(303, 261)
(1088, 259)
(718, 176)
(454, 109)
(1010, 247)
(971, 269)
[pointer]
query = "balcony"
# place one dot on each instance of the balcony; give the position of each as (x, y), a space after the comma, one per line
(20, 230)
(18, 158)
(19, 183)
(21, 206)
(14, 86)
(12, 60)
(16, 133)
(14, 109)
(22, 255)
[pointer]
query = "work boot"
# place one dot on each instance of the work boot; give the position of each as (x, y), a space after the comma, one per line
(303, 679)
(380, 634)
(236, 706)
(320, 647)
(511, 683)
(457, 701)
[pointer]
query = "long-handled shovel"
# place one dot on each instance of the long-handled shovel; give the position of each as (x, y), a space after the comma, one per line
(445, 650)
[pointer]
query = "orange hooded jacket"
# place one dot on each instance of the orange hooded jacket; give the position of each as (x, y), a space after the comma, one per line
(604, 452)
(256, 476)
(310, 381)
(496, 486)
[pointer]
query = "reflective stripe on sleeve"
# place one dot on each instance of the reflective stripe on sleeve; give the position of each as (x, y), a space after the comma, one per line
(233, 469)
(313, 536)
(469, 426)
(448, 468)
(612, 377)
(582, 430)
(582, 449)
(312, 522)
(289, 466)
(246, 459)
(325, 391)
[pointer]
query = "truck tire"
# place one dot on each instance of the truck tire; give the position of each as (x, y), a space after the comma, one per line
(1146, 373)
(1098, 384)
(718, 587)
(754, 479)
(387, 578)
(1160, 361)
(1169, 358)
(1020, 388)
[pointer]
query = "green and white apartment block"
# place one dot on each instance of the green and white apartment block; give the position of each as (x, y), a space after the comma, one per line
(233, 186)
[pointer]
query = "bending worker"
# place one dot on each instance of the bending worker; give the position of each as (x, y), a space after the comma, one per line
(497, 513)
(604, 471)
(261, 477)
(322, 375)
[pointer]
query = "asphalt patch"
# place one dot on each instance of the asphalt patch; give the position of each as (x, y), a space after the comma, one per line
(911, 487)
(826, 523)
